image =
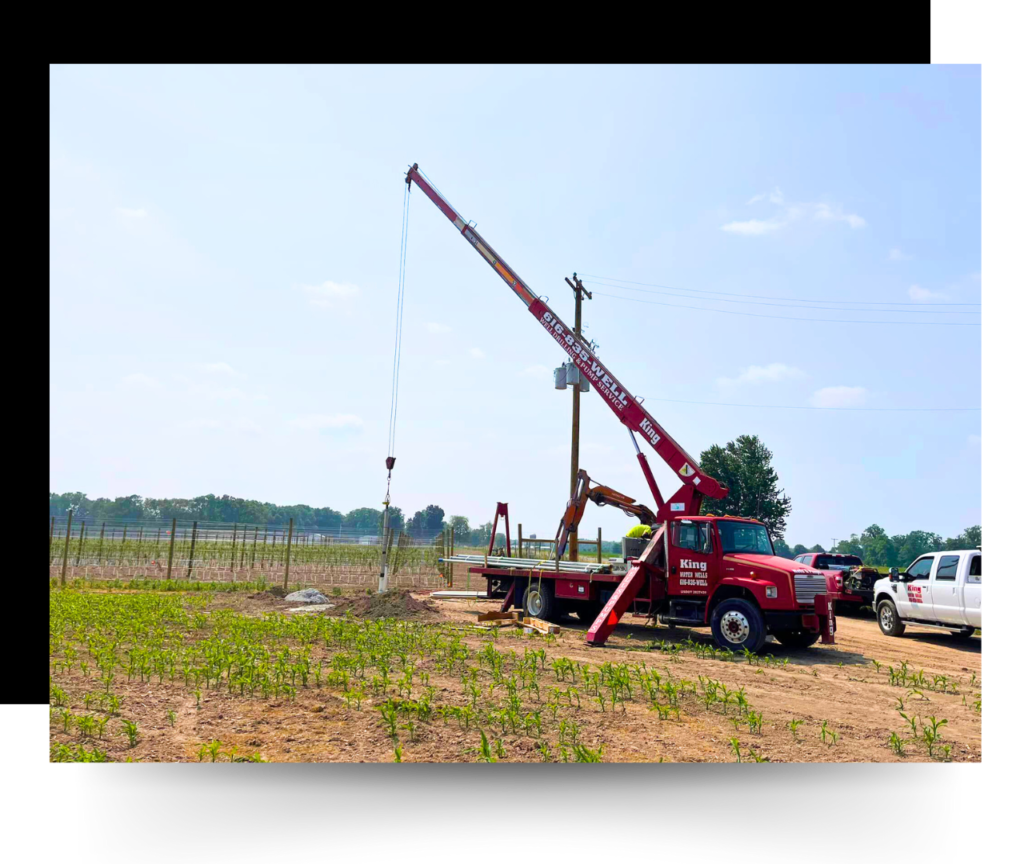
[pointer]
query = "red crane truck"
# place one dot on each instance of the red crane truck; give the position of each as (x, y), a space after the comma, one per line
(696, 570)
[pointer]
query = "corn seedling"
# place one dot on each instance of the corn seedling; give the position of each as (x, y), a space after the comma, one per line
(171, 717)
(896, 744)
(931, 733)
(793, 725)
(735, 744)
(131, 731)
(828, 736)
(485, 749)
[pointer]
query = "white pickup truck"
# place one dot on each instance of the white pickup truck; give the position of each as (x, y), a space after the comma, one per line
(940, 589)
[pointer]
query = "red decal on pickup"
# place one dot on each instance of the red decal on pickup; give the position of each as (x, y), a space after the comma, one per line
(914, 593)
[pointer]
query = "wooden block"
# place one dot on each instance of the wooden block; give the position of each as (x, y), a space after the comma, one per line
(539, 625)
(495, 616)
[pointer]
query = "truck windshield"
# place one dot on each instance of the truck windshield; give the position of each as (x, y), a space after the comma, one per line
(745, 537)
(838, 562)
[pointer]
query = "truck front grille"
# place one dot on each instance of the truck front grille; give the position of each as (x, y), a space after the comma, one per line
(807, 586)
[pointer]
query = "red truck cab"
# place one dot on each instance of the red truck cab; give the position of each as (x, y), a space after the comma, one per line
(696, 571)
(724, 573)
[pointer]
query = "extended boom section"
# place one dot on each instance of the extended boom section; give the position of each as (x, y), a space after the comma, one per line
(696, 484)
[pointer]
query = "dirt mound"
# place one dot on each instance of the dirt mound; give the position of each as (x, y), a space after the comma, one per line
(391, 604)
(273, 594)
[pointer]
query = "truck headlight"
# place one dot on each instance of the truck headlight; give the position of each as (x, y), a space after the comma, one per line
(771, 592)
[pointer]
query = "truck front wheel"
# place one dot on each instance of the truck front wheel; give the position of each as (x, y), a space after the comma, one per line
(737, 624)
(889, 621)
(539, 601)
(796, 638)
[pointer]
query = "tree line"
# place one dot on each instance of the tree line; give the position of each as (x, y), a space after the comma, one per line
(224, 508)
(743, 465)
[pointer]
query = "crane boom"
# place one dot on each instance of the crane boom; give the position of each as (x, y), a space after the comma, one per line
(696, 484)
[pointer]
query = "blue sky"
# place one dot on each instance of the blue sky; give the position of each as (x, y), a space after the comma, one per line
(224, 249)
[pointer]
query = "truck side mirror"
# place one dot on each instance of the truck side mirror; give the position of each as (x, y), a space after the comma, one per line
(894, 574)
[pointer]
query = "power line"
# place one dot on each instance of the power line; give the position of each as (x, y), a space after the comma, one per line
(791, 318)
(791, 305)
(765, 297)
(801, 407)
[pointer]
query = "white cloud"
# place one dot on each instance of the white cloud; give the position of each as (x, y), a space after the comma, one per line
(223, 394)
(923, 295)
(327, 422)
(974, 439)
(477, 353)
(753, 226)
(831, 213)
(790, 213)
(221, 369)
(775, 197)
(434, 327)
(839, 397)
(237, 424)
(899, 255)
(328, 294)
(201, 423)
(130, 213)
(137, 379)
(539, 372)
(761, 374)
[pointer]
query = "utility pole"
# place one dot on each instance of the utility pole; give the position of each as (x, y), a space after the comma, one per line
(578, 291)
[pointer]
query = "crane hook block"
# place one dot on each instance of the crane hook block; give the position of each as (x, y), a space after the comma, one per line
(390, 462)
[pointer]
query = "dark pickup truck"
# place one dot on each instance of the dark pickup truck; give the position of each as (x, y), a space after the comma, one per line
(858, 580)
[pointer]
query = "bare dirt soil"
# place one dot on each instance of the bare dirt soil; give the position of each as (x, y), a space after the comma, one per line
(847, 686)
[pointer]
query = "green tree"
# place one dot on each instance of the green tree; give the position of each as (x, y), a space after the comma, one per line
(851, 547)
(909, 546)
(744, 466)
(429, 520)
(967, 539)
(799, 549)
(782, 548)
(363, 520)
(460, 525)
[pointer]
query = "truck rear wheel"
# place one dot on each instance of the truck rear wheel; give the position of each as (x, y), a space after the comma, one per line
(796, 638)
(539, 601)
(737, 624)
(889, 621)
(965, 632)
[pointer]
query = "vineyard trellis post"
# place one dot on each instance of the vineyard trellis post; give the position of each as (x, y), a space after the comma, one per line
(234, 535)
(599, 545)
(81, 540)
(192, 551)
(241, 556)
(52, 518)
(519, 540)
(288, 552)
(99, 554)
(67, 543)
(170, 551)
(120, 552)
